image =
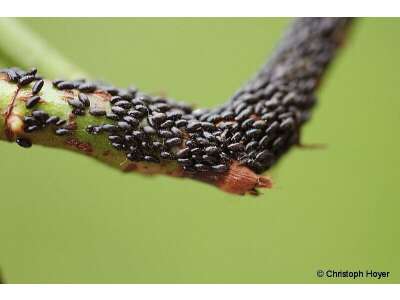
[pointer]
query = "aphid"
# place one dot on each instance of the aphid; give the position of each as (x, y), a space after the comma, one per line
(185, 161)
(111, 116)
(201, 167)
(115, 138)
(235, 147)
(124, 125)
(123, 103)
(264, 155)
(118, 110)
(87, 87)
(111, 90)
(158, 145)
(75, 103)
(84, 99)
(208, 126)
(12, 75)
(251, 146)
(152, 159)
(158, 118)
(244, 114)
(25, 80)
(183, 153)
(210, 159)
(65, 85)
(37, 86)
(202, 141)
(131, 120)
(212, 150)
(174, 115)
(115, 99)
(52, 120)
(61, 122)
(135, 113)
(177, 132)
(97, 112)
(138, 134)
(193, 126)
(56, 82)
(141, 108)
(61, 131)
(253, 133)
(166, 155)
(278, 142)
(247, 123)
(109, 127)
(32, 101)
(173, 142)
(31, 128)
(167, 124)
(196, 151)
(30, 120)
(117, 146)
(209, 136)
(32, 72)
(181, 123)
(220, 168)
(272, 128)
(40, 115)
(287, 124)
(236, 137)
(149, 130)
(259, 124)
(23, 142)
(165, 134)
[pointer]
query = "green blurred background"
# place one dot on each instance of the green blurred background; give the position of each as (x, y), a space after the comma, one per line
(67, 219)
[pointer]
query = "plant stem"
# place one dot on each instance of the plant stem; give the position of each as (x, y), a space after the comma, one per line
(27, 49)
(227, 146)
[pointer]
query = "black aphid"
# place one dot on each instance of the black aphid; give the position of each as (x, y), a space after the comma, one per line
(32, 101)
(87, 87)
(23, 142)
(97, 111)
(61, 131)
(31, 128)
(118, 110)
(37, 87)
(75, 103)
(84, 99)
(173, 142)
(25, 80)
(40, 115)
(52, 120)
(61, 122)
(12, 75)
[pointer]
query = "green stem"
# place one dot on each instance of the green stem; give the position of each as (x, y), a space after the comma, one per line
(27, 49)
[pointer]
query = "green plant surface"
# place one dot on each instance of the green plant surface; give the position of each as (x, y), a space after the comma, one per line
(64, 218)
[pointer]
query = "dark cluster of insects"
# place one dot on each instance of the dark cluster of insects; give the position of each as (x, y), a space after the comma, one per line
(259, 124)
(37, 119)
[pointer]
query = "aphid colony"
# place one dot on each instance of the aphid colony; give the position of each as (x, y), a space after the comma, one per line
(259, 123)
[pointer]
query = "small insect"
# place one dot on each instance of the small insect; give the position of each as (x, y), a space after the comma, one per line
(23, 142)
(97, 112)
(31, 102)
(61, 131)
(37, 87)
(84, 99)
(25, 80)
